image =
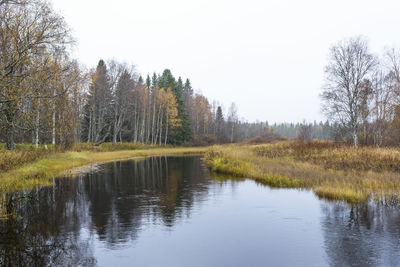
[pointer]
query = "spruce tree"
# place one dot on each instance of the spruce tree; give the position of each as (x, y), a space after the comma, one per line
(187, 88)
(98, 112)
(140, 80)
(154, 79)
(167, 80)
(219, 123)
(182, 133)
(148, 81)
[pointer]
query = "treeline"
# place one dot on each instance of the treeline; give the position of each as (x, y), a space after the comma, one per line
(321, 130)
(121, 106)
(48, 98)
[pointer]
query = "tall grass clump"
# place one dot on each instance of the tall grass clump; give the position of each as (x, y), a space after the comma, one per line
(24, 154)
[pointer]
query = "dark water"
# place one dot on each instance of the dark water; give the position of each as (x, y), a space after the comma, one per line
(170, 212)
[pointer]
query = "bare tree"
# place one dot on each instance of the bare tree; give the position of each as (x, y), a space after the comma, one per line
(392, 60)
(384, 104)
(349, 64)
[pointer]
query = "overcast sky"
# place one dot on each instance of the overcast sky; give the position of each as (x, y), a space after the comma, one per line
(266, 56)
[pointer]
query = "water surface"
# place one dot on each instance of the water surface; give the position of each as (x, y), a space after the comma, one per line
(169, 211)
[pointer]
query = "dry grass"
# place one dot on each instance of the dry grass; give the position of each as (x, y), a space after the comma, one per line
(41, 171)
(332, 171)
(26, 153)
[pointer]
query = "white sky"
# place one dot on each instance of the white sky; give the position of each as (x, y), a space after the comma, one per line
(266, 56)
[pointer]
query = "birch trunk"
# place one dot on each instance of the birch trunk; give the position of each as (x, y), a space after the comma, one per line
(153, 122)
(161, 122)
(53, 133)
(166, 129)
(37, 126)
(90, 128)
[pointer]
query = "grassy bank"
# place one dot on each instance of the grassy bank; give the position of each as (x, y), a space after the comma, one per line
(52, 163)
(26, 153)
(331, 171)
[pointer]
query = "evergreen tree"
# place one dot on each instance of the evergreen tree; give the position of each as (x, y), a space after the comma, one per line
(219, 121)
(98, 109)
(182, 133)
(167, 80)
(154, 79)
(148, 81)
(187, 93)
(140, 80)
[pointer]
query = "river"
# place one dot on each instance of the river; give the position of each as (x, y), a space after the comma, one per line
(170, 211)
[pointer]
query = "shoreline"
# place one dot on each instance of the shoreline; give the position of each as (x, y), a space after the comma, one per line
(42, 171)
(331, 172)
(92, 166)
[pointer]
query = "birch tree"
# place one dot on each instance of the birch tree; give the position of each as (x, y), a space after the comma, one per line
(232, 121)
(25, 30)
(350, 62)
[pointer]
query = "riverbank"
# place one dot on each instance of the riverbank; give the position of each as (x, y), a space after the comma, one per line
(332, 171)
(42, 170)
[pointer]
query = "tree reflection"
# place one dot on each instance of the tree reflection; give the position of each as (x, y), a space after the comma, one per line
(362, 235)
(41, 232)
(46, 225)
(127, 195)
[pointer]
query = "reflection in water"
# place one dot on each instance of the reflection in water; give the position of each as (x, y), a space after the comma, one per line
(169, 206)
(48, 224)
(127, 195)
(362, 235)
(41, 231)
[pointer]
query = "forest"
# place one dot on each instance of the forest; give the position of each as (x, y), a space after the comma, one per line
(47, 97)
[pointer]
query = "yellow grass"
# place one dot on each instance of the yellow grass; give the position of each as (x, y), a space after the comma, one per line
(42, 171)
(332, 171)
